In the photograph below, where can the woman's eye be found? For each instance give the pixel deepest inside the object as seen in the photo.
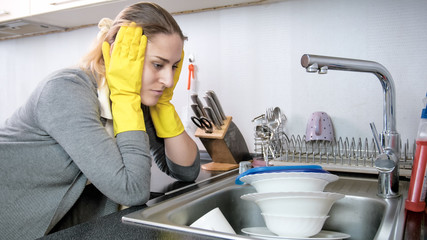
(157, 65)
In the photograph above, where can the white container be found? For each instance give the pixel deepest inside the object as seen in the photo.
(299, 204)
(214, 220)
(296, 227)
(289, 181)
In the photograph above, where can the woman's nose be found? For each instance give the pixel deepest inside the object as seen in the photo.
(167, 78)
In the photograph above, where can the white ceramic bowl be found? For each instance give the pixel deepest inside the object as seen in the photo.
(298, 227)
(299, 204)
(289, 181)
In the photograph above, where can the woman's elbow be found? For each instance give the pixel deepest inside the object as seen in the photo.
(131, 192)
(189, 175)
(134, 198)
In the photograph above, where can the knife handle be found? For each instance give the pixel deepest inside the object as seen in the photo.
(197, 101)
(197, 111)
(212, 117)
(212, 105)
(215, 98)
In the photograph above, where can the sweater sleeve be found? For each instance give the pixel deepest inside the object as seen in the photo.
(68, 111)
(157, 148)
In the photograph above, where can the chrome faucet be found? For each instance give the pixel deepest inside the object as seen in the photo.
(387, 162)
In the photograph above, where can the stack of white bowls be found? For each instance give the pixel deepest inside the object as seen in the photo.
(292, 200)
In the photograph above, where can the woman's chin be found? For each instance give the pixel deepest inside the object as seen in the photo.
(149, 102)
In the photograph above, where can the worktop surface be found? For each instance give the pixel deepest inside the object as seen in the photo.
(111, 226)
(164, 187)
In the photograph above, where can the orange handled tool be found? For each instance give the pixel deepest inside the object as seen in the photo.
(190, 75)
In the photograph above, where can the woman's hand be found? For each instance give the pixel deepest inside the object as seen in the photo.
(180, 148)
(123, 71)
(165, 119)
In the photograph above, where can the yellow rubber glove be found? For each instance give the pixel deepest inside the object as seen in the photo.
(123, 71)
(165, 119)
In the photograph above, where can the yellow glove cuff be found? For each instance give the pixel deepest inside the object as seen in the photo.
(127, 114)
(166, 121)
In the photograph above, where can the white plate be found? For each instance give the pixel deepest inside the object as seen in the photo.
(296, 194)
(261, 176)
(264, 233)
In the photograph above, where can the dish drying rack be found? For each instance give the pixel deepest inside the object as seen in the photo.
(342, 154)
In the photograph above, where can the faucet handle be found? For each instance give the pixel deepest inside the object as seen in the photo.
(385, 162)
(377, 141)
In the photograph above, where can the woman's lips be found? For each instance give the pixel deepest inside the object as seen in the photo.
(158, 92)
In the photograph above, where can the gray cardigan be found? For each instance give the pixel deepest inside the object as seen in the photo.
(56, 141)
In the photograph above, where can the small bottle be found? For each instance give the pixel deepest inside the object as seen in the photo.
(418, 184)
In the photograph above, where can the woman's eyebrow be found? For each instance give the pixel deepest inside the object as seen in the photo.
(162, 59)
(166, 60)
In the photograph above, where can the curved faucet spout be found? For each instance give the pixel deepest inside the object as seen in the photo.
(355, 65)
(387, 162)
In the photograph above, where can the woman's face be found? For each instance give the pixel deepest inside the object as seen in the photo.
(162, 56)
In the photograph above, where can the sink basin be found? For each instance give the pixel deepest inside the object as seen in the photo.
(360, 213)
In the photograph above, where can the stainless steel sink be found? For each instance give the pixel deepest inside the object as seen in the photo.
(361, 213)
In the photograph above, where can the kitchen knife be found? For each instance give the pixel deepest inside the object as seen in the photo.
(197, 111)
(197, 101)
(212, 105)
(213, 95)
(212, 117)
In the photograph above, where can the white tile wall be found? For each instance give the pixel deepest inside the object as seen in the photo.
(251, 57)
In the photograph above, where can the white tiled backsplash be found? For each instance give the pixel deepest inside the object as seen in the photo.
(250, 57)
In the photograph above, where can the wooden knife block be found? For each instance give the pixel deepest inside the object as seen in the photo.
(216, 145)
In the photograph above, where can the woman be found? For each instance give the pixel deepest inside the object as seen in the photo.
(58, 142)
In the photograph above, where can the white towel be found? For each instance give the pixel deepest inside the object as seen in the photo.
(104, 101)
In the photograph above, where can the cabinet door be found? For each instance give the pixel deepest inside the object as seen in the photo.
(45, 6)
(10, 10)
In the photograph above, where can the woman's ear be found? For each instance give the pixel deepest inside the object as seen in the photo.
(111, 48)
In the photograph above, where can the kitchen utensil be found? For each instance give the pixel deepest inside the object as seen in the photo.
(295, 226)
(215, 98)
(197, 111)
(273, 119)
(203, 123)
(214, 220)
(265, 149)
(273, 123)
(263, 132)
(295, 204)
(211, 104)
(319, 127)
(278, 169)
(190, 71)
(197, 101)
(264, 233)
(212, 117)
(290, 181)
(278, 114)
(244, 166)
(259, 118)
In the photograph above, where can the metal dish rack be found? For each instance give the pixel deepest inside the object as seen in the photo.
(343, 154)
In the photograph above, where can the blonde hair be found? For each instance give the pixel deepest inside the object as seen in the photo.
(151, 17)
